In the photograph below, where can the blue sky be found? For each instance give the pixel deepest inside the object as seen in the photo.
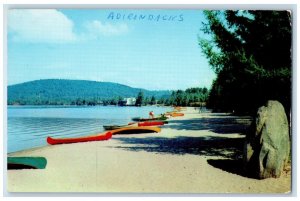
(151, 49)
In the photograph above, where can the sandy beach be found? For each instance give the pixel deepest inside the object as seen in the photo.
(196, 153)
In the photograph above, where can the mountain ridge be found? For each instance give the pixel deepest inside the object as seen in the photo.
(65, 91)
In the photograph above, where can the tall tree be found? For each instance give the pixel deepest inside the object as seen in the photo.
(139, 99)
(250, 51)
(153, 100)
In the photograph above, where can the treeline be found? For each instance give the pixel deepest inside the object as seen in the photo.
(64, 101)
(84, 101)
(250, 51)
(189, 97)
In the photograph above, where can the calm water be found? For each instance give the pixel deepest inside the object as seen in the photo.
(28, 127)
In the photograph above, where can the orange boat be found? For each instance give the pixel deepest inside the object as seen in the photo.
(99, 137)
(174, 114)
(177, 114)
(136, 130)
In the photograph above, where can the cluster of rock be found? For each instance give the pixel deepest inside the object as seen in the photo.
(267, 147)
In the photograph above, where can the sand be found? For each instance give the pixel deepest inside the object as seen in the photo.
(197, 153)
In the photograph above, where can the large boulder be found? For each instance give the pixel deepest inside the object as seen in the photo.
(268, 144)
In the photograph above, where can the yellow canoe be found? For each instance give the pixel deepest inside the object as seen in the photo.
(136, 130)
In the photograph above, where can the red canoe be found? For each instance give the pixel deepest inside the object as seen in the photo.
(105, 136)
(151, 123)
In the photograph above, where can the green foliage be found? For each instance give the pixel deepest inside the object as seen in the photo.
(153, 100)
(189, 97)
(73, 92)
(250, 51)
(139, 99)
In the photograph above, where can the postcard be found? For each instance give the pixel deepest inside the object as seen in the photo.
(149, 100)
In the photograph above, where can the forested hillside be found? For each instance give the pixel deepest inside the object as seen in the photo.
(74, 92)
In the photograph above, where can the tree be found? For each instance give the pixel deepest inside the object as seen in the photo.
(146, 100)
(139, 99)
(114, 101)
(162, 100)
(178, 98)
(250, 51)
(153, 100)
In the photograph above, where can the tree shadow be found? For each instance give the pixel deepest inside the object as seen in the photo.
(229, 148)
(205, 146)
(217, 124)
(224, 146)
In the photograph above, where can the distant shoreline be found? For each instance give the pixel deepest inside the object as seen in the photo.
(87, 106)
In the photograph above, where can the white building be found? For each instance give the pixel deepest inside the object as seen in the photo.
(129, 101)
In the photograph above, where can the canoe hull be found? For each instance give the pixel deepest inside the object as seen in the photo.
(16, 163)
(145, 123)
(177, 114)
(151, 123)
(136, 130)
(174, 114)
(147, 119)
(112, 127)
(101, 137)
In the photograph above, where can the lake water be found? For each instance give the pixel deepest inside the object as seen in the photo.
(29, 126)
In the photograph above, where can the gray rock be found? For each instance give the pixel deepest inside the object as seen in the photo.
(268, 144)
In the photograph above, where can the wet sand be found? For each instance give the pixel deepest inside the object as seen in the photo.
(196, 153)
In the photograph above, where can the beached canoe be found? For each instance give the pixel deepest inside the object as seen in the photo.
(177, 114)
(16, 163)
(136, 130)
(136, 123)
(99, 137)
(149, 119)
(113, 127)
(151, 123)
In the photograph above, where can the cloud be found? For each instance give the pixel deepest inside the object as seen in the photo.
(40, 25)
(96, 28)
(52, 26)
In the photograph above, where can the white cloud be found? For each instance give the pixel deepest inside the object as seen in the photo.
(40, 25)
(52, 26)
(96, 28)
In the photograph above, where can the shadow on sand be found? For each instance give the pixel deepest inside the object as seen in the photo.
(210, 146)
(204, 146)
(217, 124)
(232, 166)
